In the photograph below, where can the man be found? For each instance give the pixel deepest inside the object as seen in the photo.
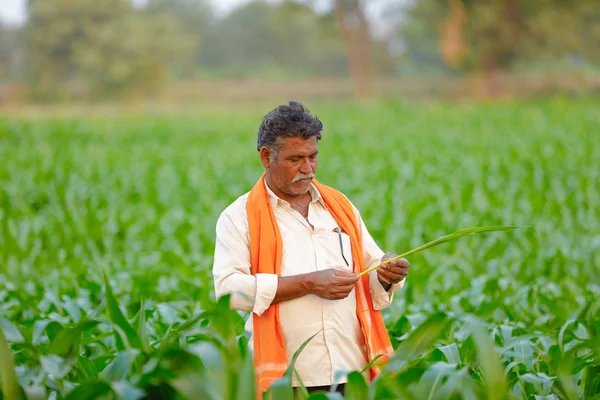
(290, 250)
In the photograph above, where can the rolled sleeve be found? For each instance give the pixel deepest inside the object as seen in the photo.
(232, 271)
(381, 297)
(266, 288)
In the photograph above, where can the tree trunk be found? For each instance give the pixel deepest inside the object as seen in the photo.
(453, 44)
(355, 30)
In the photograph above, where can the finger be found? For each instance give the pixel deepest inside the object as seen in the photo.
(345, 287)
(343, 291)
(397, 271)
(396, 266)
(401, 263)
(346, 280)
(391, 277)
(341, 272)
(386, 272)
(397, 278)
(387, 261)
(341, 294)
(384, 279)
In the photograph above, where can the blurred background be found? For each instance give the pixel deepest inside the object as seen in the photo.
(174, 52)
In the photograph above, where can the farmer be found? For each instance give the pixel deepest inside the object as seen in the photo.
(289, 251)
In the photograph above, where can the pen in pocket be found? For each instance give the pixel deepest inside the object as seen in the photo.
(339, 231)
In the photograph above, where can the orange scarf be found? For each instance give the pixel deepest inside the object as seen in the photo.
(270, 359)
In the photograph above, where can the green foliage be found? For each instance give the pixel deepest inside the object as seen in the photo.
(194, 17)
(107, 238)
(11, 53)
(290, 37)
(581, 41)
(93, 49)
(89, 50)
(498, 33)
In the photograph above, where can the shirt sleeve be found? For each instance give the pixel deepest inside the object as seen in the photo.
(231, 269)
(373, 255)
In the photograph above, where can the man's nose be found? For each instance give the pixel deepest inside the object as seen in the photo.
(306, 167)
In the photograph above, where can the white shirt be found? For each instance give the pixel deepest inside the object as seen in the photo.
(308, 246)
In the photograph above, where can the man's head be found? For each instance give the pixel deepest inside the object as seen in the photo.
(287, 142)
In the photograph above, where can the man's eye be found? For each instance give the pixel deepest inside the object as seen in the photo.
(295, 159)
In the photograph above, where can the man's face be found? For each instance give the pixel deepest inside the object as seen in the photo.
(294, 167)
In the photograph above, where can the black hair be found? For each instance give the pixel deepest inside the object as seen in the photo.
(287, 121)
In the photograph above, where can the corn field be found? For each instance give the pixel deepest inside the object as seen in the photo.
(107, 231)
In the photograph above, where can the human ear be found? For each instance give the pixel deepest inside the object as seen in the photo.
(265, 156)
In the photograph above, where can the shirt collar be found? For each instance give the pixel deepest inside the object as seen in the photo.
(312, 189)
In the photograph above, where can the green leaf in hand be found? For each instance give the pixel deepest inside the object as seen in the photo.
(444, 239)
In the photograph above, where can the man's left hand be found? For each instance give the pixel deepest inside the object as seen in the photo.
(392, 272)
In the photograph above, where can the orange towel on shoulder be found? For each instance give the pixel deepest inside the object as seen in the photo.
(270, 360)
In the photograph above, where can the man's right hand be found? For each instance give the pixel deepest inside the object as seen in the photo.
(333, 284)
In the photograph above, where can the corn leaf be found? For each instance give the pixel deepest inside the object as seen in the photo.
(491, 367)
(117, 317)
(444, 239)
(9, 385)
(142, 333)
(418, 341)
(91, 390)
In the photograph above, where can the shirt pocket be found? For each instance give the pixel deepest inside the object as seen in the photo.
(340, 255)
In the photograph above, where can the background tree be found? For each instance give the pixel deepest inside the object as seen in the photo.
(496, 31)
(489, 37)
(453, 45)
(274, 40)
(355, 29)
(97, 48)
(12, 63)
(194, 18)
(418, 32)
(559, 29)
(11, 52)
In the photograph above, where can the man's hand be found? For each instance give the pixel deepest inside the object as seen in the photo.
(392, 272)
(332, 284)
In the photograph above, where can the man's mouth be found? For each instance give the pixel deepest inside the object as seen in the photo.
(303, 179)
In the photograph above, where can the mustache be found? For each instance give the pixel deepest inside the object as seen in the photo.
(303, 176)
